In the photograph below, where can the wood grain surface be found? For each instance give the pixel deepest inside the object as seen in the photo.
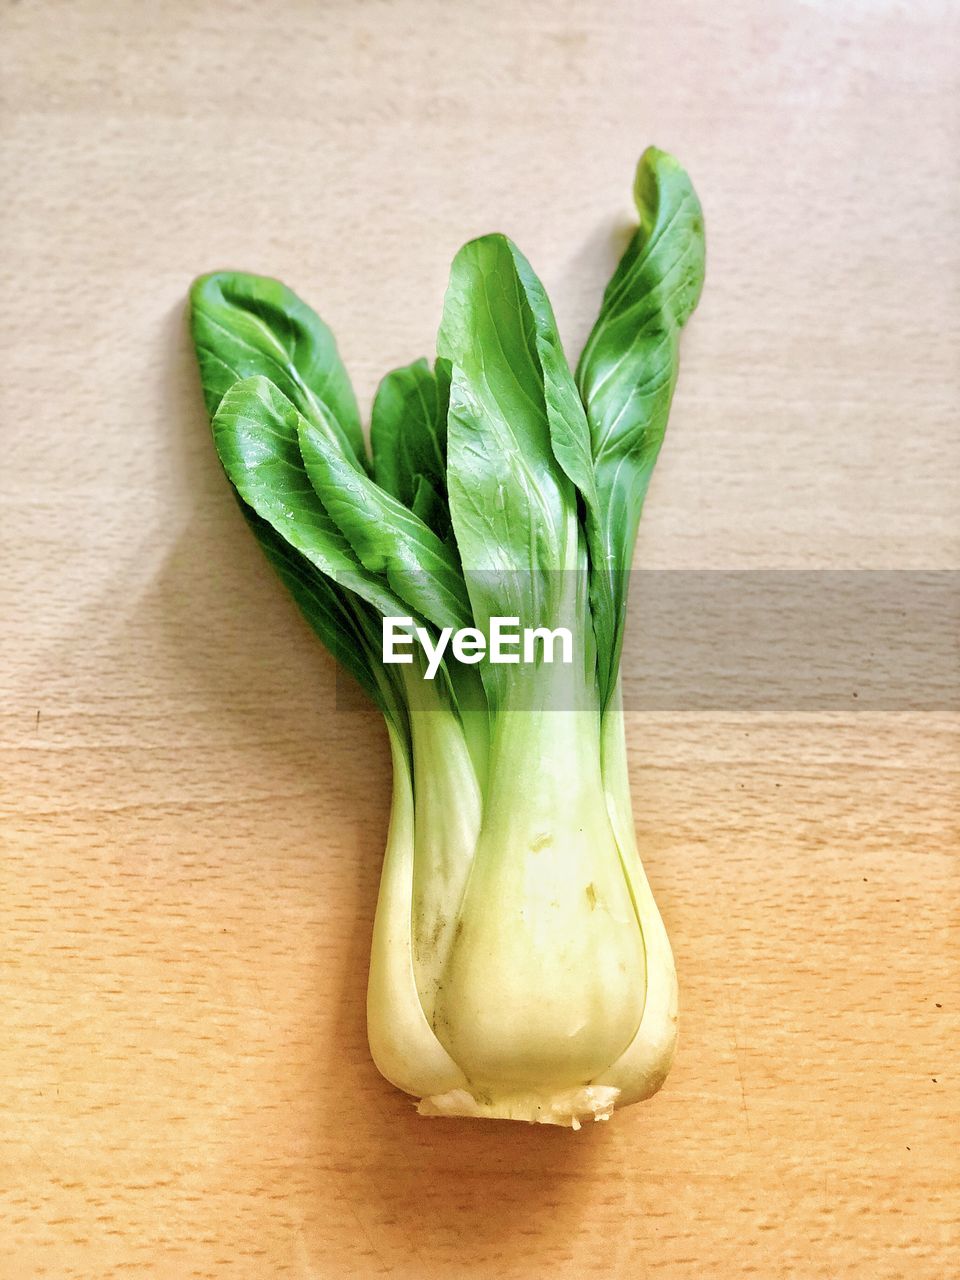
(192, 826)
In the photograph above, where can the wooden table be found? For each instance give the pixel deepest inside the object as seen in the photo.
(191, 827)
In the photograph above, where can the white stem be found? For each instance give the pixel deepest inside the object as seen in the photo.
(642, 1068)
(402, 1043)
(545, 979)
(447, 804)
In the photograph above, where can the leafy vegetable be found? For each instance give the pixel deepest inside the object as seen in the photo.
(519, 965)
(627, 374)
(244, 326)
(408, 434)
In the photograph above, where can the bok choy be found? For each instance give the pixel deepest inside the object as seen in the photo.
(519, 965)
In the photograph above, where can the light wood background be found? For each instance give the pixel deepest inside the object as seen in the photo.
(192, 830)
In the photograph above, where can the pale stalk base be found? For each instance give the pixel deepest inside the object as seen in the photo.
(567, 1107)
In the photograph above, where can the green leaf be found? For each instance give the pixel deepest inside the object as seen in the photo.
(408, 435)
(569, 432)
(571, 443)
(513, 507)
(245, 325)
(428, 506)
(255, 431)
(626, 377)
(386, 536)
